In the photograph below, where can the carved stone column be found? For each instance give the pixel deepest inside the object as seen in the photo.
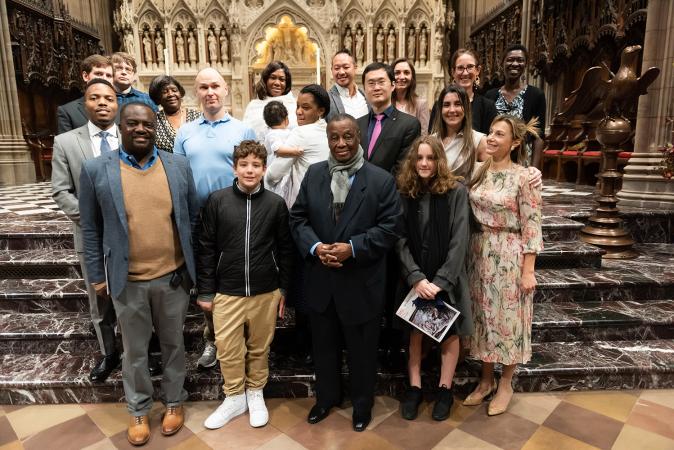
(16, 165)
(641, 185)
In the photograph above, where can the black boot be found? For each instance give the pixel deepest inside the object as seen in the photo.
(443, 403)
(409, 407)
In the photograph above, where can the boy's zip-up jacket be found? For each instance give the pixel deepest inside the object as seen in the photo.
(244, 244)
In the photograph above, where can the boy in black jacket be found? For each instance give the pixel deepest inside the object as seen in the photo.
(244, 260)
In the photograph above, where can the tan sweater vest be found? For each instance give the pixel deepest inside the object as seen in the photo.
(154, 244)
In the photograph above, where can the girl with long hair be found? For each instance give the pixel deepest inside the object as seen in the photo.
(432, 255)
(405, 97)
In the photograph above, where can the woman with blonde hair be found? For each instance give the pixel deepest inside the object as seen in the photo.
(432, 253)
(501, 260)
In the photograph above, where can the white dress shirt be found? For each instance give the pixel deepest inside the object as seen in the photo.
(355, 106)
(113, 140)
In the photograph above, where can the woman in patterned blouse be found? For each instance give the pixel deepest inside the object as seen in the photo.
(521, 100)
(167, 92)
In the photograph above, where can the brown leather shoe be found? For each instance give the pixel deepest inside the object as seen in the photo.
(173, 420)
(139, 430)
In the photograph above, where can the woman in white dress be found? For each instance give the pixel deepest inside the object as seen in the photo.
(275, 84)
(285, 174)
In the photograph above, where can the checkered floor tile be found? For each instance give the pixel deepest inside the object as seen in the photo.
(28, 200)
(617, 420)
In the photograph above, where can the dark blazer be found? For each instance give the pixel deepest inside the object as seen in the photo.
(71, 116)
(397, 134)
(103, 216)
(371, 220)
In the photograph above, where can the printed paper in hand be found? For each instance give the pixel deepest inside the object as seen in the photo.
(430, 320)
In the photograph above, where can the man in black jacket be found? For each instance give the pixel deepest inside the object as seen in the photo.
(243, 271)
(345, 220)
(72, 115)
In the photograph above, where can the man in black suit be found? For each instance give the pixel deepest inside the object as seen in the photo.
(386, 132)
(345, 220)
(72, 115)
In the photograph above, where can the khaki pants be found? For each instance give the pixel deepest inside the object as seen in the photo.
(244, 329)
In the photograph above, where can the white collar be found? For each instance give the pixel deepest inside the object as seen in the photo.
(344, 92)
(94, 130)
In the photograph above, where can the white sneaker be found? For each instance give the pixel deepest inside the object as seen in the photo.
(208, 358)
(234, 405)
(257, 410)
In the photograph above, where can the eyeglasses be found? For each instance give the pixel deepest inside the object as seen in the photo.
(469, 68)
(381, 83)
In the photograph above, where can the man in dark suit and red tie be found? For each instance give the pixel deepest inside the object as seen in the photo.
(386, 132)
(346, 218)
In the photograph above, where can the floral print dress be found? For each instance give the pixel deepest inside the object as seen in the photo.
(509, 211)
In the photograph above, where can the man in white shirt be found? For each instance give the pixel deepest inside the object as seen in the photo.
(71, 149)
(345, 97)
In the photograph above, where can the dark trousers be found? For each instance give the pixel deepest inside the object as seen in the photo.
(141, 305)
(361, 344)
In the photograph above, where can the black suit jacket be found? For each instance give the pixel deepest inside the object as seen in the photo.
(371, 219)
(71, 116)
(397, 134)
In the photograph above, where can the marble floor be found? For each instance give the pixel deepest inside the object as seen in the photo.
(629, 420)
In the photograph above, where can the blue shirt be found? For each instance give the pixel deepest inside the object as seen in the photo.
(209, 147)
(131, 161)
(134, 95)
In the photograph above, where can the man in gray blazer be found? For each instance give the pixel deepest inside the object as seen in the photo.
(138, 207)
(71, 149)
(345, 96)
(72, 115)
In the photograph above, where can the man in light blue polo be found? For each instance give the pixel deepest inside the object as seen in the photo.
(208, 143)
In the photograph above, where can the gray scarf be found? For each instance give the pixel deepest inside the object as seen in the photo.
(340, 173)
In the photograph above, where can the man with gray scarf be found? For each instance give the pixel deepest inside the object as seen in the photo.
(345, 220)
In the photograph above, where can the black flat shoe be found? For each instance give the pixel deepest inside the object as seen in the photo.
(154, 364)
(409, 407)
(317, 414)
(361, 419)
(443, 404)
(104, 368)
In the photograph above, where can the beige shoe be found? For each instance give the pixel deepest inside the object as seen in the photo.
(173, 420)
(500, 403)
(476, 397)
(139, 430)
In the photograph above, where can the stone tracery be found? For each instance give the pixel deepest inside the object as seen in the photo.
(230, 36)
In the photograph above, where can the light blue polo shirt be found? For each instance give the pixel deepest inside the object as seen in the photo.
(209, 147)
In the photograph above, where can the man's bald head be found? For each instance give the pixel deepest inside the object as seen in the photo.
(211, 90)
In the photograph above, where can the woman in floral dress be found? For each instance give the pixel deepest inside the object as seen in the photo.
(501, 261)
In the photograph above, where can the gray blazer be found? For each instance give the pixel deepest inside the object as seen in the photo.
(103, 216)
(71, 149)
(336, 105)
(71, 116)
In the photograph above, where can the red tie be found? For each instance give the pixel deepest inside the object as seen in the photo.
(375, 134)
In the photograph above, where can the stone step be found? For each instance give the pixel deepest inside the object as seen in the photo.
(71, 332)
(39, 263)
(569, 255)
(63, 378)
(43, 295)
(603, 321)
(558, 228)
(23, 234)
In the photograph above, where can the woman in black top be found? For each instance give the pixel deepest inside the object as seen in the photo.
(432, 253)
(465, 68)
(519, 99)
